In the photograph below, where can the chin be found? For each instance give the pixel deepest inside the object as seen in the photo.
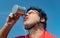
(28, 27)
(28, 24)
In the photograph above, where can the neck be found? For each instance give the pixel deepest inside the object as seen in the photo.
(36, 31)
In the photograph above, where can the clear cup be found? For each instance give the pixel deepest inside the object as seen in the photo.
(18, 9)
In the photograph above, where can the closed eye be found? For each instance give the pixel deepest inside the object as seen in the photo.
(29, 12)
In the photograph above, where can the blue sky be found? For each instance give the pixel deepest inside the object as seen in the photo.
(51, 7)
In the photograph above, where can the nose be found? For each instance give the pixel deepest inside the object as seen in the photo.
(26, 14)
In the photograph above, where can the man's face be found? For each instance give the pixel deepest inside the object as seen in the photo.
(31, 18)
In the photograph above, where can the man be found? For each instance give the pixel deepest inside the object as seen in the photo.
(34, 21)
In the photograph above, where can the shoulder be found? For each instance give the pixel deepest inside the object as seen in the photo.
(49, 35)
(24, 36)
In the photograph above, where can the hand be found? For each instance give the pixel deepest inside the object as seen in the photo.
(11, 20)
(14, 17)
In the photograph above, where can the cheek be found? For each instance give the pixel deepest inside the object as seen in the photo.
(34, 17)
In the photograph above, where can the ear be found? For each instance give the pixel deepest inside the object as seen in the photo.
(42, 20)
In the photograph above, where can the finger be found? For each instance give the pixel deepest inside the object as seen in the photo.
(15, 16)
(11, 15)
